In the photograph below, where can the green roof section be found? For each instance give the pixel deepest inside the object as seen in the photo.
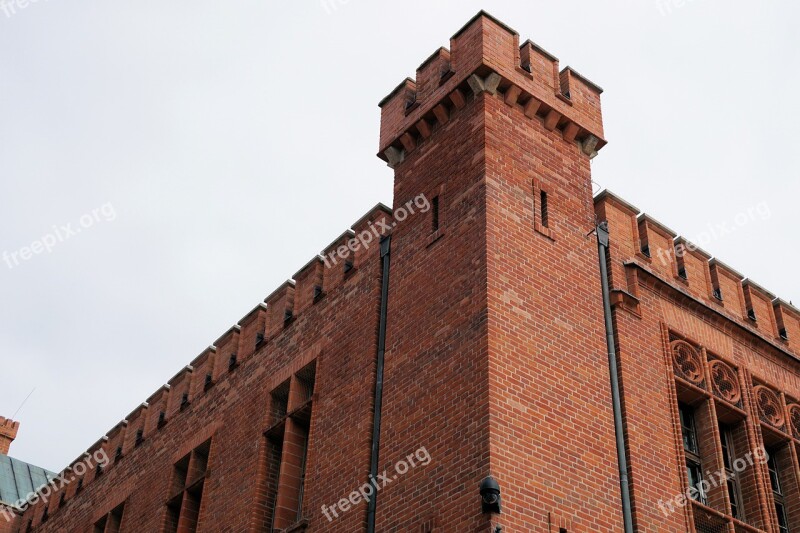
(18, 479)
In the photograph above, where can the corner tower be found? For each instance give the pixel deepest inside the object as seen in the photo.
(8, 432)
(496, 357)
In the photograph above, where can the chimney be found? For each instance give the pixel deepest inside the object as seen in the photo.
(8, 432)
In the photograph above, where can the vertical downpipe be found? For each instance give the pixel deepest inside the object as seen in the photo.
(376, 419)
(613, 366)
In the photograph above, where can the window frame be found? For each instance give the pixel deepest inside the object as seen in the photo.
(694, 463)
(733, 481)
(776, 486)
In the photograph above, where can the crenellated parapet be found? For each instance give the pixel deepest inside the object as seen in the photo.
(8, 428)
(203, 375)
(486, 56)
(179, 391)
(137, 420)
(157, 416)
(116, 441)
(227, 354)
(638, 239)
(321, 276)
(280, 308)
(8, 432)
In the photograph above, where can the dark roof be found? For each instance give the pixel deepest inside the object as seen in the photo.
(18, 479)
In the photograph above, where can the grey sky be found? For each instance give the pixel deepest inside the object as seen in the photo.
(234, 140)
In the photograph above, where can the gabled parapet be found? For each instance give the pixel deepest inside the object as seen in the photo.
(726, 287)
(134, 436)
(758, 307)
(485, 56)
(339, 259)
(98, 445)
(116, 441)
(253, 332)
(203, 375)
(157, 416)
(687, 249)
(179, 397)
(788, 320)
(657, 245)
(621, 219)
(280, 308)
(309, 287)
(227, 352)
(369, 230)
(80, 471)
(638, 238)
(94, 468)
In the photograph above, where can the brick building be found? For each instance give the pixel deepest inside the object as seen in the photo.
(18, 479)
(474, 340)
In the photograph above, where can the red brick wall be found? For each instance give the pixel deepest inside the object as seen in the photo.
(652, 306)
(552, 426)
(437, 386)
(496, 360)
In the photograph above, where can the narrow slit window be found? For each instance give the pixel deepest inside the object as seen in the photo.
(781, 323)
(716, 290)
(748, 302)
(680, 262)
(435, 213)
(544, 209)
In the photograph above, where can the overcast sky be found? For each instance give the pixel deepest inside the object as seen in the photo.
(207, 150)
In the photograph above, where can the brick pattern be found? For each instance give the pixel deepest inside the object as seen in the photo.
(666, 305)
(496, 359)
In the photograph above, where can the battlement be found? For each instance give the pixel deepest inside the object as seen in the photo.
(250, 335)
(8, 432)
(8, 427)
(486, 56)
(639, 240)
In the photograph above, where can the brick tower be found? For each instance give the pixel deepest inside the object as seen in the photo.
(496, 357)
(8, 432)
(457, 343)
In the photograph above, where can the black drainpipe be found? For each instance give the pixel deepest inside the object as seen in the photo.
(602, 246)
(376, 420)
